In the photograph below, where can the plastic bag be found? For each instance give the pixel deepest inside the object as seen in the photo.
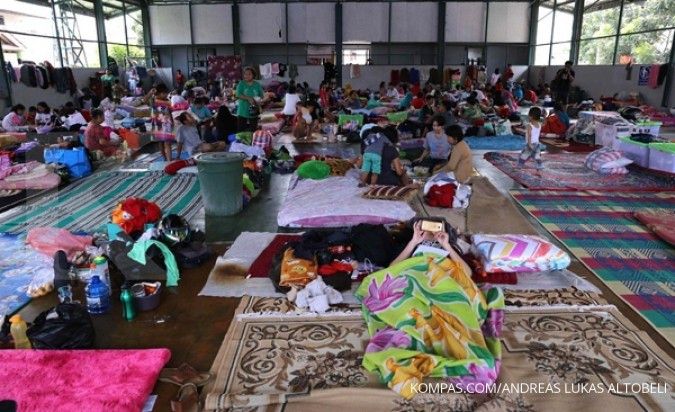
(42, 283)
(49, 240)
(66, 326)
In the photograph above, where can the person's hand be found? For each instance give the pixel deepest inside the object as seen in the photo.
(443, 239)
(418, 233)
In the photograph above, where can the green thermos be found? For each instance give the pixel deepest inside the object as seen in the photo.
(128, 311)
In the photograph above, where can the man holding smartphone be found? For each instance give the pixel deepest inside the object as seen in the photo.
(563, 82)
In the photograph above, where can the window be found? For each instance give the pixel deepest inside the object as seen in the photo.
(355, 56)
(554, 32)
(600, 20)
(645, 48)
(596, 51)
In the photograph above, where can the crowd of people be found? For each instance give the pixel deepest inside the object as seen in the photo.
(186, 115)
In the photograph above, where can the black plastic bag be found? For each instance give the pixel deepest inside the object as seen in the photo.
(66, 326)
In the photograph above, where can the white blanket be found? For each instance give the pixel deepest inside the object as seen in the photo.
(336, 202)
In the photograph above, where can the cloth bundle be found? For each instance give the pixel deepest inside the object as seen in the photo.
(443, 190)
(428, 319)
(518, 253)
(608, 161)
(316, 296)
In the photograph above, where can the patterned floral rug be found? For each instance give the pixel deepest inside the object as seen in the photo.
(566, 171)
(600, 230)
(575, 359)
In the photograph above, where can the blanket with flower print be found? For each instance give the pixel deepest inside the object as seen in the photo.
(427, 318)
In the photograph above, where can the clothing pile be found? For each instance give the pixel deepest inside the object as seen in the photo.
(323, 262)
(443, 190)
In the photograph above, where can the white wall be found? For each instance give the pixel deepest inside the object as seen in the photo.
(414, 22)
(464, 22)
(212, 23)
(365, 22)
(170, 24)
(311, 23)
(508, 22)
(603, 80)
(262, 23)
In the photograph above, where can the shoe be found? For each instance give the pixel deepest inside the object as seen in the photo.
(61, 270)
(187, 399)
(184, 374)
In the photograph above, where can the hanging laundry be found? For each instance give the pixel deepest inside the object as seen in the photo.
(28, 76)
(266, 71)
(292, 71)
(405, 75)
(414, 76)
(282, 69)
(394, 77)
(354, 71)
(275, 69)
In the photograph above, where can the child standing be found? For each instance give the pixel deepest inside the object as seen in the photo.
(533, 148)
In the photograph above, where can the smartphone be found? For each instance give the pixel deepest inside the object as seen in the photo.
(432, 226)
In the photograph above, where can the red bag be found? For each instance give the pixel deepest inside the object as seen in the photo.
(554, 125)
(441, 195)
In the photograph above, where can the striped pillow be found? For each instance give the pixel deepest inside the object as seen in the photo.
(390, 192)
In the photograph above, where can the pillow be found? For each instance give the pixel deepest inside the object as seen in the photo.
(607, 161)
(663, 224)
(518, 253)
(314, 169)
(385, 192)
(397, 117)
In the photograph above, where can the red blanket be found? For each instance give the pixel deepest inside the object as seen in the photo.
(262, 265)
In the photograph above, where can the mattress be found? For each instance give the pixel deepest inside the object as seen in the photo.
(336, 202)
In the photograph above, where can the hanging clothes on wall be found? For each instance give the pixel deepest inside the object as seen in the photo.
(395, 77)
(11, 73)
(28, 75)
(405, 75)
(329, 72)
(266, 71)
(354, 71)
(45, 81)
(50, 70)
(292, 71)
(275, 69)
(434, 76)
(282, 69)
(414, 76)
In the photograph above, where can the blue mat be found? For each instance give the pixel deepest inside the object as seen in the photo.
(18, 265)
(510, 142)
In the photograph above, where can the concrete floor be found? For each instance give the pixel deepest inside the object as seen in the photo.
(193, 327)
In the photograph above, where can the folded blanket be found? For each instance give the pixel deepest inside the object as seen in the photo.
(518, 253)
(662, 225)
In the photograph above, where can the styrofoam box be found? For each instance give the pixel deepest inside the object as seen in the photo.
(661, 160)
(635, 151)
(605, 134)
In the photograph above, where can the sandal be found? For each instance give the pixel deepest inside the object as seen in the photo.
(184, 374)
(187, 399)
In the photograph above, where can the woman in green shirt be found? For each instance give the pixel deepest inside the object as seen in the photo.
(248, 108)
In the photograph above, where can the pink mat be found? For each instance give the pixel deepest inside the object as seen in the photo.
(80, 380)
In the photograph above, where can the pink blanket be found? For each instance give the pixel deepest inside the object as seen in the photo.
(80, 380)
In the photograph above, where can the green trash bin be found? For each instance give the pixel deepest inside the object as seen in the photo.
(221, 178)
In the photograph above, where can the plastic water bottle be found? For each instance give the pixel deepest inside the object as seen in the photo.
(18, 331)
(98, 299)
(100, 268)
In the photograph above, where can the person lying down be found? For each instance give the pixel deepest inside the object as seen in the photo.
(427, 319)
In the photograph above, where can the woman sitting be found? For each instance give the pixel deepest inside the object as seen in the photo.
(187, 137)
(15, 120)
(225, 124)
(95, 136)
(461, 160)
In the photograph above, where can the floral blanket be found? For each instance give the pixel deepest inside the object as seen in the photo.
(427, 318)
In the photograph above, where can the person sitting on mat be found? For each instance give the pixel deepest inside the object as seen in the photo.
(436, 146)
(461, 160)
(187, 137)
(95, 137)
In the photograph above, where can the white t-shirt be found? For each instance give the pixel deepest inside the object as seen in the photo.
(11, 122)
(534, 134)
(290, 101)
(393, 93)
(73, 119)
(188, 136)
(177, 99)
(42, 119)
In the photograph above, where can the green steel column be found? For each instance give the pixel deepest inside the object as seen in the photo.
(440, 38)
(665, 101)
(534, 18)
(147, 37)
(236, 34)
(338, 42)
(576, 30)
(100, 33)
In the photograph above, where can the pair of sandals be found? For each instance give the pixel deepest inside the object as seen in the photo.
(189, 380)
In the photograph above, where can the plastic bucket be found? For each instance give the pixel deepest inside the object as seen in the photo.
(221, 178)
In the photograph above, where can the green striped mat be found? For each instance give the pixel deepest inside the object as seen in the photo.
(86, 205)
